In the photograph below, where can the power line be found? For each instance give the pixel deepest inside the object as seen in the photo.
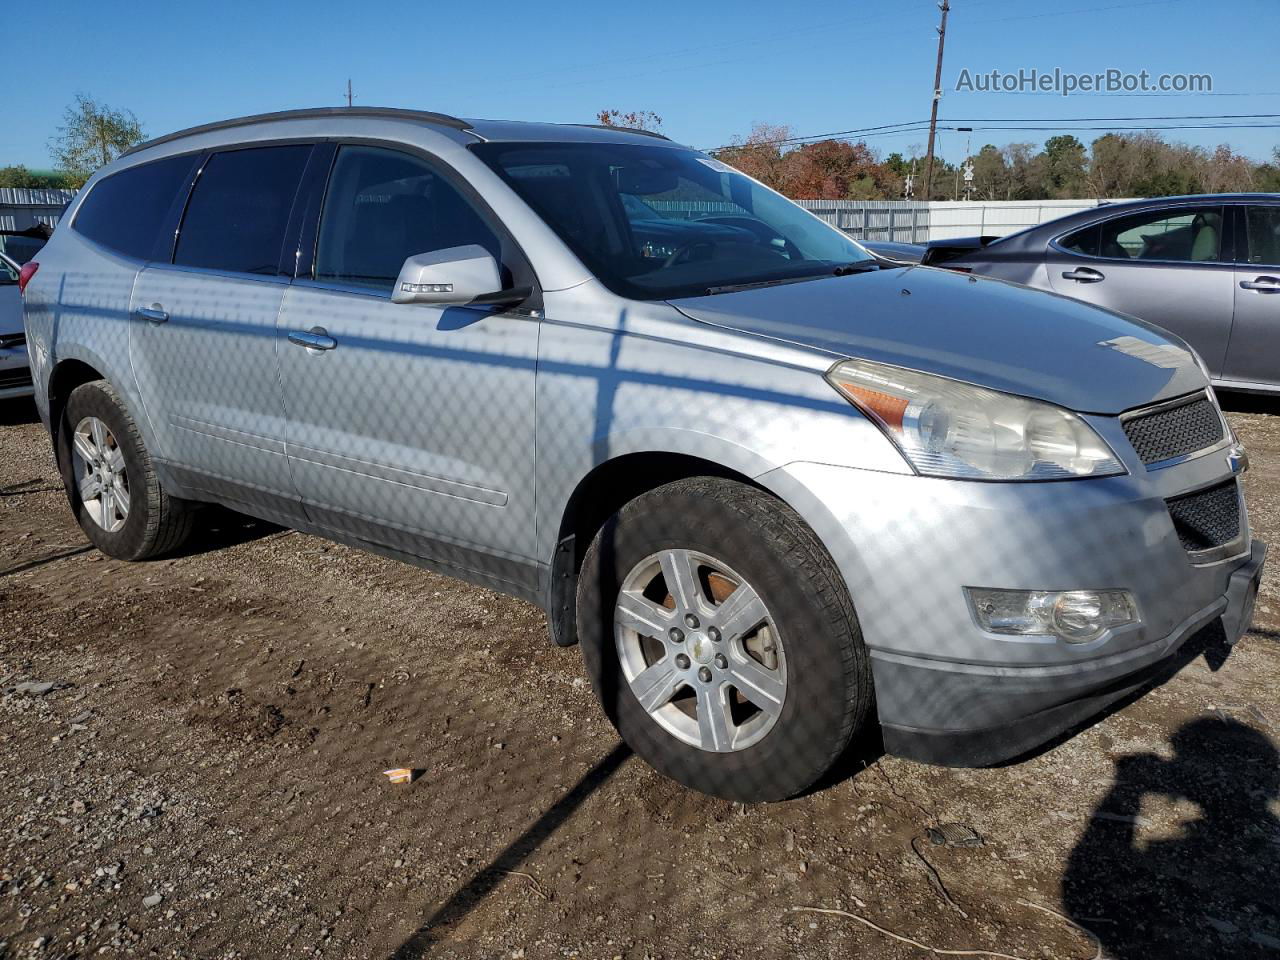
(1035, 123)
(806, 33)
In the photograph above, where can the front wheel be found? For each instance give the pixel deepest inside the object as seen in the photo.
(721, 640)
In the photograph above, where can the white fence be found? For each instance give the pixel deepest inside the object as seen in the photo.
(914, 221)
(21, 208)
(904, 221)
(997, 219)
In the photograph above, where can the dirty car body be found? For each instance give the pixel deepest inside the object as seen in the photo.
(1017, 530)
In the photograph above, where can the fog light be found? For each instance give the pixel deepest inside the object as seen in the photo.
(1077, 616)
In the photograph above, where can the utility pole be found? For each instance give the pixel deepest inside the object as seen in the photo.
(351, 96)
(945, 7)
(968, 162)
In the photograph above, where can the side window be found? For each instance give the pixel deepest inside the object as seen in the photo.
(125, 212)
(383, 207)
(1190, 234)
(1262, 226)
(239, 210)
(1083, 242)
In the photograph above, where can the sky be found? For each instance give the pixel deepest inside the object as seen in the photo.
(710, 69)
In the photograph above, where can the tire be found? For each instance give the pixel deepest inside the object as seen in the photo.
(812, 651)
(150, 522)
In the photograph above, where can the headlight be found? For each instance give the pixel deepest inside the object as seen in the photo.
(1077, 616)
(946, 428)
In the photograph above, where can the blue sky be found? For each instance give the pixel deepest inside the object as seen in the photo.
(710, 69)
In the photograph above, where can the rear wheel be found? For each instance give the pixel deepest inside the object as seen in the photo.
(722, 641)
(111, 483)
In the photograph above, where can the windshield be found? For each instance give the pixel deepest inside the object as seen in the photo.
(655, 223)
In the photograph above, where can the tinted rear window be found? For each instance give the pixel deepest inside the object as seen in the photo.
(125, 211)
(239, 210)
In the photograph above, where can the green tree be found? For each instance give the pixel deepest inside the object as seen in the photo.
(20, 176)
(991, 174)
(92, 136)
(1266, 176)
(1064, 167)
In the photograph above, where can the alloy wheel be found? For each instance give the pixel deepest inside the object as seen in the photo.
(700, 650)
(100, 474)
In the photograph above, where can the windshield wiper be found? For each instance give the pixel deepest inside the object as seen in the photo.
(857, 266)
(735, 287)
(840, 270)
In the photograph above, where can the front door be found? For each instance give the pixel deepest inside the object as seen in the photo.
(411, 425)
(1254, 354)
(1168, 266)
(202, 330)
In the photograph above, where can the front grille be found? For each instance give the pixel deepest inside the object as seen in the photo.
(15, 378)
(1167, 432)
(1207, 518)
(10, 340)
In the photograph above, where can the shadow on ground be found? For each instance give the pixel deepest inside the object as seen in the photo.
(517, 852)
(1249, 403)
(14, 412)
(1148, 891)
(218, 528)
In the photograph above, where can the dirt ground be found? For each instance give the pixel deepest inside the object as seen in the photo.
(204, 780)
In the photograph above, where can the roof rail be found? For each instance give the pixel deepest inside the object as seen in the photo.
(610, 126)
(423, 116)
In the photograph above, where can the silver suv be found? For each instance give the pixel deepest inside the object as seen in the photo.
(778, 488)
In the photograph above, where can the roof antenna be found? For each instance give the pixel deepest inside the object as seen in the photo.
(350, 96)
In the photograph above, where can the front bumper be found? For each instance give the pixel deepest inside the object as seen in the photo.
(976, 716)
(949, 692)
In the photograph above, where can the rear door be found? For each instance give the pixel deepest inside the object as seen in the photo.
(414, 427)
(1254, 353)
(202, 331)
(1171, 266)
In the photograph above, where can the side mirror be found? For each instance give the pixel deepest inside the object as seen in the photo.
(457, 275)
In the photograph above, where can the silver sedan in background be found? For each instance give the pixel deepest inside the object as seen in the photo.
(1206, 268)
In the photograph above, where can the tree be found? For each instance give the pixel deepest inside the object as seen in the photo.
(1026, 181)
(831, 170)
(991, 174)
(1227, 172)
(20, 176)
(760, 154)
(634, 119)
(1064, 167)
(92, 136)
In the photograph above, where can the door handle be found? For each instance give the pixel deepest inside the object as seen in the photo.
(1084, 275)
(1262, 284)
(317, 338)
(154, 313)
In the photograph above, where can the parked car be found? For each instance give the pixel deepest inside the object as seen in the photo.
(897, 252)
(1205, 267)
(15, 370)
(777, 490)
(21, 246)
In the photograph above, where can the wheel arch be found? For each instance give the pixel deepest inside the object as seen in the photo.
(67, 374)
(601, 493)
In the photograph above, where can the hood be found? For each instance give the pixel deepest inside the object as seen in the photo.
(984, 331)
